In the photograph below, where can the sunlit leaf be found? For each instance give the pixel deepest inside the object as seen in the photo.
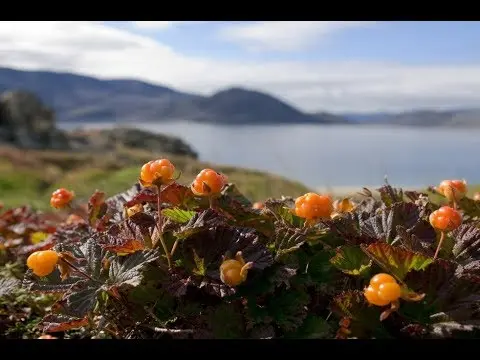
(178, 215)
(200, 221)
(467, 243)
(128, 271)
(351, 260)
(60, 323)
(395, 260)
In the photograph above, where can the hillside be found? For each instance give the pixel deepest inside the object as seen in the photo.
(81, 98)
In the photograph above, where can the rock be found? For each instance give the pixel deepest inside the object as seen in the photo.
(26, 123)
(110, 139)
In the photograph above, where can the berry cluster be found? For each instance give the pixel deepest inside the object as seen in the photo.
(208, 183)
(61, 198)
(312, 206)
(382, 290)
(157, 172)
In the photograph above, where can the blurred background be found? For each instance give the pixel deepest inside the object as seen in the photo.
(280, 107)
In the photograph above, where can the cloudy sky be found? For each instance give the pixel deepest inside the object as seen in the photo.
(316, 66)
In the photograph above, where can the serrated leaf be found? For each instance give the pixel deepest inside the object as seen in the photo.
(319, 267)
(97, 207)
(314, 327)
(60, 323)
(351, 260)
(119, 201)
(390, 195)
(456, 330)
(53, 284)
(128, 270)
(130, 235)
(93, 254)
(8, 286)
(231, 190)
(288, 309)
(396, 261)
(286, 239)
(80, 299)
(178, 215)
(72, 234)
(283, 210)
(226, 322)
(199, 222)
(467, 243)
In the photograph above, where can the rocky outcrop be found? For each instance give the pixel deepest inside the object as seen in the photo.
(110, 139)
(27, 123)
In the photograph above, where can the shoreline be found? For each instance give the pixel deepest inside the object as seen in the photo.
(354, 190)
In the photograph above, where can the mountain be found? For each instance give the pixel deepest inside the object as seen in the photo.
(422, 118)
(87, 99)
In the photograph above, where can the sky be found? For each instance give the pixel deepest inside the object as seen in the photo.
(340, 67)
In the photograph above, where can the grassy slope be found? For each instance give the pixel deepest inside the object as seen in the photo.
(29, 177)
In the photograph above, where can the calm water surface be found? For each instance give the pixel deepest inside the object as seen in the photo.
(333, 155)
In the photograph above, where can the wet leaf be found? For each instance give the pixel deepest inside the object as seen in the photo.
(351, 260)
(178, 215)
(395, 260)
(60, 323)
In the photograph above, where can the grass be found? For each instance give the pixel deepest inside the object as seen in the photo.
(30, 176)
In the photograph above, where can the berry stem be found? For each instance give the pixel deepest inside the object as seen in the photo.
(174, 247)
(78, 270)
(440, 242)
(159, 226)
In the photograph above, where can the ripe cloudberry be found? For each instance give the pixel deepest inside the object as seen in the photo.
(233, 272)
(453, 190)
(343, 206)
(445, 219)
(61, 198)
(42, 263)
(313, 206)
(154, 171)
(208, 182)
(258, 205)
(382, 290)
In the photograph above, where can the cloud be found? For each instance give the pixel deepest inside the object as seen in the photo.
(153, 24)
(95, 49)
(285, 35)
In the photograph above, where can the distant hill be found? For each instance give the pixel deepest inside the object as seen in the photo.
(88, 99)
(424, 118)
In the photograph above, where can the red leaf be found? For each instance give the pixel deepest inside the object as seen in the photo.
(60, 323)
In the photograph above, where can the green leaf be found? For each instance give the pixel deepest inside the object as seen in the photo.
(319, 267)
(288, 308)
(231, 190)
(200, 264)
(314, 327)
(226, 322)
(128, 270)
(282, 210)
(395, 260)
(351, 260)
(200, 221)
(178, 215)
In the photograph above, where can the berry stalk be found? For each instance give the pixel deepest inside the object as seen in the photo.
(159, 225)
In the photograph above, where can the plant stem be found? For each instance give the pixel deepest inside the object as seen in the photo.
(174, 247)
(79, 271)
(440, 242)
(159, 226)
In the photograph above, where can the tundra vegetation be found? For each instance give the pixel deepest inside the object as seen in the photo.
(163, 259)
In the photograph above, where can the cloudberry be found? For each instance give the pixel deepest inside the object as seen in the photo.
(453, 190)
(61, 198)
(476, 196)
(160, 170)
(47, 337)
(445, 219)
(134, 209)
(42, 263)
(343, 206)
(313, 206)
(382, 290)
(233, 272)
(258, 205)
(208, 182)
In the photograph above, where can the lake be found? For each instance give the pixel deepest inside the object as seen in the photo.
(322, 156)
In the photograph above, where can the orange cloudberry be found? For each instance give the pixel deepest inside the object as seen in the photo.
(160, 170)
(233, 272)
(258, 205)
(445, 219)
(382, 290)
(453, 190)
(61, 198)
(42, 263)
(313, 206)
(208, 182)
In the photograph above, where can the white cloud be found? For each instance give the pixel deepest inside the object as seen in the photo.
(153, 24)
(285, 35)
(95, 49)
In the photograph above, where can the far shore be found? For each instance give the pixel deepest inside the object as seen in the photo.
(346, 191)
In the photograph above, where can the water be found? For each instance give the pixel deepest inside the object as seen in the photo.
(333, 155)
